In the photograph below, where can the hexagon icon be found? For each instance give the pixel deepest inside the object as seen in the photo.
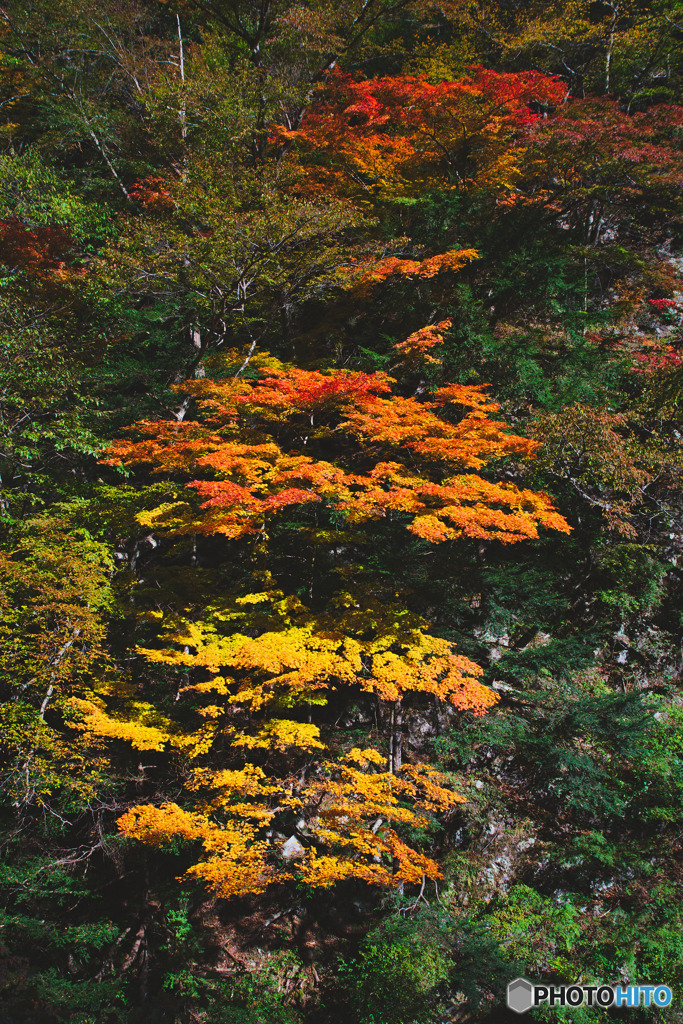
(520, 995)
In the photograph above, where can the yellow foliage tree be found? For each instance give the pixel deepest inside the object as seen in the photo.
(259, 665)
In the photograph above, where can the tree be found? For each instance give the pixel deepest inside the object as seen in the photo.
(341, 451)
(55, 586)
(618, 47)
(397, 136)
(607, 168)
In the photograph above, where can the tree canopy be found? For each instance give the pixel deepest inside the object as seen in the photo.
(340, 527)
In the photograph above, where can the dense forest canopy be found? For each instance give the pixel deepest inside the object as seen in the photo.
(341, 607)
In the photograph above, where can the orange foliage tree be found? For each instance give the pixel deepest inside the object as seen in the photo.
(337, 452)
(395, 135)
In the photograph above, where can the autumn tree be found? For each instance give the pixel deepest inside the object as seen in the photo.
(52, 621)
(391, 136)
(609, 168)
(617, 47)
(341, 450)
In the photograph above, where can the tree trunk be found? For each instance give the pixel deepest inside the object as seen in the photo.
(396, 737)
(396, 759)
